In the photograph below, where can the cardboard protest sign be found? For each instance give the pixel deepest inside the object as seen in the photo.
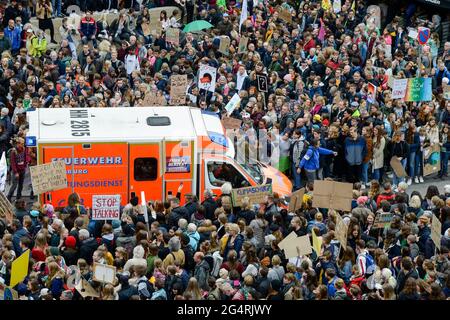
(106, 207)
(243, 42)
(262, 83)
(296, 200)
(399, 88)
(224, 46)
(231, 123)
(19, 268)
(86, 290)
(294, 246)
(383, 219)
(419, 89)
(6, 208)
(317, 242)
(412, 33)
(207, 78)
(178, 85)
(104, 273)
(341, 231)
(332, 194)
(49, 176)
(256, 194)
(398, 167)
(431, 159)
(173, 36)
(371, 93)
(436, 228)
(232, 104)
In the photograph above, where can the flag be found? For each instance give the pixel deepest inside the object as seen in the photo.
(321, 35)
(326, 5)
(353, 6)
(3, 172)
(244, 14)
(317, 242)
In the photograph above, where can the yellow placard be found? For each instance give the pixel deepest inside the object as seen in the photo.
(19, 268)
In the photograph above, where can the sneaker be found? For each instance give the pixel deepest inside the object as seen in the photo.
(421, 179)
(409, 181)
(416, 180)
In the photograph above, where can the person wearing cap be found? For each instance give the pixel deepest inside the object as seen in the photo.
(225, 26)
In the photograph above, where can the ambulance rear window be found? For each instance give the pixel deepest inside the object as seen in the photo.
(145, 169)
(158, 121)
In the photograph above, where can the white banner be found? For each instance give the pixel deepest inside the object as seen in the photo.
(106, 207)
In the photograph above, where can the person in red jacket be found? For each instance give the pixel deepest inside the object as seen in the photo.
(19, 159)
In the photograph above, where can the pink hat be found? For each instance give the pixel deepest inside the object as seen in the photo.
(362, 199)
(287, 77)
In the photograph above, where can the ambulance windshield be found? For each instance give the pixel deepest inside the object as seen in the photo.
(255, 171)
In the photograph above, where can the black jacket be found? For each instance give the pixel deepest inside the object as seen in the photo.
(177, 214)
(210, 207)
(70, 256)
(402, 277)
(87, 249)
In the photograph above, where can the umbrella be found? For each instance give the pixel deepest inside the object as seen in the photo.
(197, 25)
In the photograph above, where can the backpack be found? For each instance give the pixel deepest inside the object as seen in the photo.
(370, 264)
(145, 291)
(189, 263)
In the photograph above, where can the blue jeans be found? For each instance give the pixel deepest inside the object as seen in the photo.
(376, 175)
(396, 179)
(444, 161)
(419, 163)
(297, 177)
(413, 170)
(365, 172)
(311, 175)
(57, 8)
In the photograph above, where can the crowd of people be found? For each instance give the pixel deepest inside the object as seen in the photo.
(315, 121)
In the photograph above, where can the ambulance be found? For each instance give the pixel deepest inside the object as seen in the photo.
(124, 151)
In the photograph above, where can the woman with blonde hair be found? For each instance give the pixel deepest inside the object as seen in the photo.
(108, 293)
(193, 290)
(55, 280)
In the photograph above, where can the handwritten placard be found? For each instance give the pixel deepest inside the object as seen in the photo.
(243, 42)
(173, 36)
(255, 194)
(6, 208)
(106, 207)
(178, 85)
(224, 46)
(49, 176)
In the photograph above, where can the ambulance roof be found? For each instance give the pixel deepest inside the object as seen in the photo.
(121, 124)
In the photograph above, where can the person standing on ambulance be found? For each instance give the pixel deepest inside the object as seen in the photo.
(19, 159)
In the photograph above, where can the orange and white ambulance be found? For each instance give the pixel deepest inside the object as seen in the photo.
(153, 149)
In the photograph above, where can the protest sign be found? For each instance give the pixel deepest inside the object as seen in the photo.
(423, 34)
(104, 273)
(398, 168)
(337, 6)
(382, 220)
(207, 78)
(412, 33)
(19, 268)
(317, 242)
(399, 88)
(243, 42)
(153, 99)
(431, 159)
(341, 231)
(233, 104)
(371, 93)
(106, 207)
(49, 176)
(231, 123)
(294, 246)
(6, 208)
(3, 172)
(332, 194)
(418, 89)
(436, 228)
(296, 200)
(224, 46)
(86, 290)
(256, 194)
(178, 85)
(173, 36)
(262, 83)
